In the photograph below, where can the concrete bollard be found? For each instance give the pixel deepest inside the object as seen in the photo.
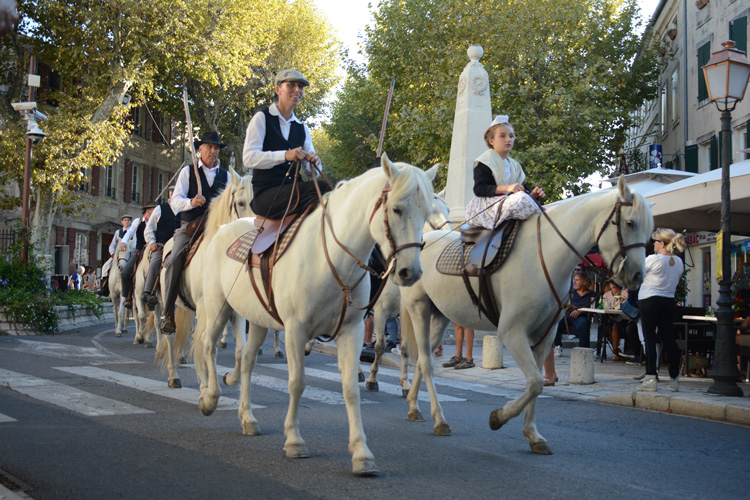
(492, 352)
(581, 365)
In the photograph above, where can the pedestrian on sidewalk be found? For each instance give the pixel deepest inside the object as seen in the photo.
(458, 362)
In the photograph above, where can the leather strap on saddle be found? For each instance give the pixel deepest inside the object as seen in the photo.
(268, 229)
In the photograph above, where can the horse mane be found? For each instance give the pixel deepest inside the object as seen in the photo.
(408, 181)
(220, 210)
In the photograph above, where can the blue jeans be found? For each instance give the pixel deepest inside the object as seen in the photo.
(580, 327)
(391, 329)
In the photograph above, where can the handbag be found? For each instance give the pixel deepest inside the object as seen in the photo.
(629, 310)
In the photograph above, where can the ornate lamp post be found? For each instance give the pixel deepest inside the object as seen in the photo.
(726, 73)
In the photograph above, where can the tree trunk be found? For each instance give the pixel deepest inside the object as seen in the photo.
(41, 218)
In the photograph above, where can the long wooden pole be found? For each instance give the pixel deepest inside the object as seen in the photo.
(190, 138)
(385, 117)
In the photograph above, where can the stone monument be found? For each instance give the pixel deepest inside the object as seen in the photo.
(473, 116)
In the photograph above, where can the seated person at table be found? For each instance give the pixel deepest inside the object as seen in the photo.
(577, 322)
(613, 299)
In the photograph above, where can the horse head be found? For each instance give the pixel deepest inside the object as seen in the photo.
(439, 217)
(121, 257)
(233, 203)
(404, 206)
(623, 236)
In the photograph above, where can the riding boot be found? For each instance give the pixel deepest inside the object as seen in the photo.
(126, 289)
(168, 325)
(104, 290)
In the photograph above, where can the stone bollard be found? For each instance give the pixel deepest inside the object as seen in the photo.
(492, 352)
(581, 365)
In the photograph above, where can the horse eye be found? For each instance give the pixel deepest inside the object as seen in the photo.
(397, 211)
(630, 223)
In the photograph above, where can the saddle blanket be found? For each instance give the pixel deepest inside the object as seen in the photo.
(453, 261)
(240, 249)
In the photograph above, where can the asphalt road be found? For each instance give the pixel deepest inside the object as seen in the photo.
(88, 416)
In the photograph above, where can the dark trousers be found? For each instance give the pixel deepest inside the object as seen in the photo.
(153, 271)
(126, 274)
(657, 314)
(580, 327)
(272, 202)
(174, 268)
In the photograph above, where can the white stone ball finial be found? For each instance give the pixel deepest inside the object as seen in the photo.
(475, 52)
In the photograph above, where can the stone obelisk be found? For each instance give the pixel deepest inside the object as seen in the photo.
(473, 116)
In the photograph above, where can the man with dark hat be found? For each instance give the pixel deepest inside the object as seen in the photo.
(138, 228)
(275, 140)
(161, 226)
(190, 205)
(126, 221)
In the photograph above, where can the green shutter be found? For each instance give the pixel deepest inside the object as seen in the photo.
(747, 139)
(714, 150)
(704, 54)
(691, 159)
(738, 33)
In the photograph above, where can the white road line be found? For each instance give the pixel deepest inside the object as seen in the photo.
(464, 386)
(64, 351)
(65, 396)
(384, 386)
(6, 418)
(277, 384)
(151, 386)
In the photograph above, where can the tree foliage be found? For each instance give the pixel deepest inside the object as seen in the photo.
(565, 71)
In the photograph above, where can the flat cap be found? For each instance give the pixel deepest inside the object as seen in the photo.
(291, 75)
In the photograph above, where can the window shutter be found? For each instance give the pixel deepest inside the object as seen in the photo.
(691, 159)
(714, 150)
(747, 139)
(149, 129)
(146, 179)
(92, 250)
(128, 188)
(95, 174)
(155, 136)
(738, 33)
(704, 53)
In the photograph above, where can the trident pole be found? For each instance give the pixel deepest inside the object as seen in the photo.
(385, 117)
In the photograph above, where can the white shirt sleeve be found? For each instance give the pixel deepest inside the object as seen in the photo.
(253, 155)
(150, 233)
(113, 244)
(180, 202)
(131, 230)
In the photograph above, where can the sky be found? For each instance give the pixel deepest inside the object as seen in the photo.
(349, 17)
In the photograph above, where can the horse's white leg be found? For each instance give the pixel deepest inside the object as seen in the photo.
(517, 344)
(425, 346)
(537, 442)
(115, 307)
(349, 347)
(294, 446)
(256, 335)
(209, 398)
(278, 353)
(403, 377)
(378, 320)
(223, 342)
(238, 331)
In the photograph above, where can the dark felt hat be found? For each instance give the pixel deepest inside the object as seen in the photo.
(150, 204)
(209, 138)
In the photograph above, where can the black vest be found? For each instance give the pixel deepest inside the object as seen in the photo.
(209, 192)
(274, 141)
(122, 232)
(167, 225)
(140, 237)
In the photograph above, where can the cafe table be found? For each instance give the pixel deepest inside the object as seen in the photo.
(606, 315)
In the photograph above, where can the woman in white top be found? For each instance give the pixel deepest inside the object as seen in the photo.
(657, 306)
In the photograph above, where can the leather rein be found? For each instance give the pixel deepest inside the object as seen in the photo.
(617, 222)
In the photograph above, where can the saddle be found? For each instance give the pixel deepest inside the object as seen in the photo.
(268, 230)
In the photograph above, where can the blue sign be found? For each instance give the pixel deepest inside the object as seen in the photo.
(654, 156)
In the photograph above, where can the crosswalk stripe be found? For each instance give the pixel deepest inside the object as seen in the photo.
(465, 386)
(6, 418)
(276, 384)
(64, 351)
(384, 386)
(65, 396)
(151, 386)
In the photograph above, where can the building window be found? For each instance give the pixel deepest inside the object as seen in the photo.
(663, 113)
(674, 99)
(738, 33)
(135, 196)
(85, 182)
(109, 183)
(704, 53)
(137, 126)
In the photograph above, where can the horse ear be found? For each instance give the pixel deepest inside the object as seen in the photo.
(624, 190)
(391, 170)
(235, 176)
(432, 173)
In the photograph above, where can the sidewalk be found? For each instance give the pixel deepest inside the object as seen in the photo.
(613, 384)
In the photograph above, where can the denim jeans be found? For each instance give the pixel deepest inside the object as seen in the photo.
(580, 327)
(391, 329)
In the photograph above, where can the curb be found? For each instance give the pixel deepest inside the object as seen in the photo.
(721, 410)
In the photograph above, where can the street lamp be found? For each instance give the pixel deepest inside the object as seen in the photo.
(726, 75)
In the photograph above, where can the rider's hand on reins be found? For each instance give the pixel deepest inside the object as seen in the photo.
(198, 201)
(537, 193)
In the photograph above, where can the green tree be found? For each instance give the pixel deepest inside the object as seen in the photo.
(565, 72)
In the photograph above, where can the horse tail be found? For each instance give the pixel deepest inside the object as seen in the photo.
(407, 332)
(184, 322)
(149, 326)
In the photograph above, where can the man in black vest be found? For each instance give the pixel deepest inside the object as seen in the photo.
(276, 139)
(190, 205)
(140, 242)
(116, 238)
(161, 226)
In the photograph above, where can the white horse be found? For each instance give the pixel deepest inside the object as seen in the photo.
(115, 287)
(146, 321)
(231, 204)
(619, 221)
(387, 206)
(278, 353)
(389, 304)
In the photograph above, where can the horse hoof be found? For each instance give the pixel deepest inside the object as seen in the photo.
(204, 408)
(404, 393)
(223, 344)
(138, 340)
(365, 468)
(361, 377)
(280, 355)
(260, 352)
(125, 330)
(225, 380)
(149, 345)
(182, 360)
(541, 448)
(250, 428)
(416, 416)
(174, 383)
(371, 386)
(442, 429)
(495, 421)
(118, 334)
(296, 451)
